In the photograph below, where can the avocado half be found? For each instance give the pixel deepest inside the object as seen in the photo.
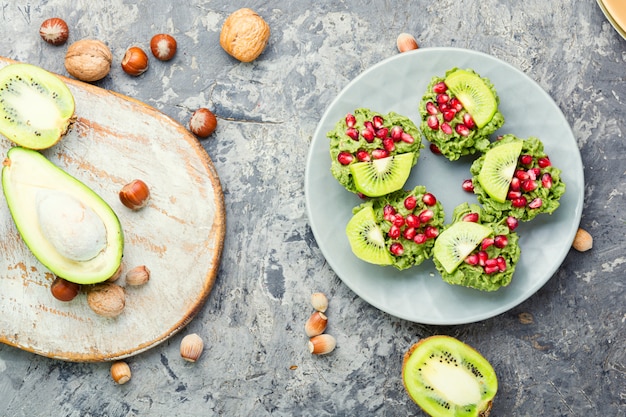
(67, 226)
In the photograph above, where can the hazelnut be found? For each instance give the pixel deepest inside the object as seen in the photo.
(138, 275)
(406, 42)
(244, 35)
(163, 46)
(135, 194)
(135, 61)
(54, 31)
(120, 372)
(88, 60)
(64, 290)
(191, 347)
(322, 344)
(319, 301)
(202, 123)
(316, 324)
(583, 241)
(106, 299)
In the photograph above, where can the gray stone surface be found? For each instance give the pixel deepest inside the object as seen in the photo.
(560, 353)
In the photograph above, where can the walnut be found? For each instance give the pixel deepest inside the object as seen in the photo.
(106, 299)
(244, 35)
(88, 60)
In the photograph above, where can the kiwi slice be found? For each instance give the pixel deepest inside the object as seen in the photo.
(456, 242)
(498, 169)
(382, 176)
(447, 377)
(36, 106)
(366, 238)
(474, 95)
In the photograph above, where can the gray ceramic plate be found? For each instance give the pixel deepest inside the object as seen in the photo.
(418, 294)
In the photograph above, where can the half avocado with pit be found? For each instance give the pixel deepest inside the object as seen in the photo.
(67, 226)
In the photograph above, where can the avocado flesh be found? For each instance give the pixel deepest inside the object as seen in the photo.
(66, 225)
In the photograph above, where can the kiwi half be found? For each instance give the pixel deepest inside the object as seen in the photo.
(382, 176)
(366, 238)
(457, 241)
(447, 377)
(36, 106)
(498, 169)
(474, 94)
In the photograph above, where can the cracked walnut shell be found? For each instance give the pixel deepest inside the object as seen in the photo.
(88, 60)
(244, 35)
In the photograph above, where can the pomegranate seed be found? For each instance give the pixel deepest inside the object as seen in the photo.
(429, 199)
(382, 133)
(535, 171)
(516, 184)
(490, 263)
(369, 126)
(512, 223)
(546, 180)
(399, 220)
(482, 257)
(412, 220)
(472, 259)
(529, 185)
(449, 115)
(362, 155)
(410, 202)
(353, 133)
(426, 215)
(380, 153)
(368, 135)
(462, 130)
(440, 87)
(456, 104)
(444, 107)
(501, 262)
(394, 232)
(431, 108)
(409, 233)
(389, 213)
(471, 217)
(468, 185)
(488, 241)
(434, 149)
(446, 128)
(377, 121)
(544, 162)
(536, 203)
(521, 175)
(532, 175)
(500, 241)
(350, 120)
(432, 122)
(519, 202)
(512, 195)
(431, 232)
(420, 238)
(407, 138)
(389, 144)
(491, 269)
(396, 133)
(396, 248)
(345, 158)
(468, 121)
(526, 159)
(443, 98)
(362, 196)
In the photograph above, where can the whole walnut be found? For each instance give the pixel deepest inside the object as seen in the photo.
(88, 60)
(106, 299)
(244, 35)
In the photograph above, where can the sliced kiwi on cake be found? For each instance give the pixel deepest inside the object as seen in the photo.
(498, 168)
(36, 106)
(366, 238)
(474, 94)
(382, 176)
(456, 242)
(447, 377)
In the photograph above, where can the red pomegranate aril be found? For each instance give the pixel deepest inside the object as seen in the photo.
(446, 128)
(433, 122)
(429, 199)
(350, 120)
(456, 105)
(380, 153)
(443, 107)
(412, 220)
(526, 159)
(500, 241)
(410, 202)
(472, 259)
(471, 217)
(394, 232)
(389, 213)
(405, 137)
(382, 133)
(431, 108)
(399, 220)
(396, 133)
(521, 174)
(440, 87)
(369, 126)
(345, 158)
(377, 121)
(389, 144)
(431, 232)
(488, 241)
(546, 180)
(409, 233)
(368, 135)
(426, 215)
(352, 133)
(516, 184)
(519, 202)
(396, 248)
(501, 262)
(512, 223)
(532, 175)
(462, 130)
(363, 156)
(536, 203)
(420, 238)
(434, 149)
(544, 162)
(468, 185)
(448, 115)
(482, 257)
(534, 172)
(489, 263)
(468, 121)
(512, 195)
(529, 185)
(491, 269)
(442, 98)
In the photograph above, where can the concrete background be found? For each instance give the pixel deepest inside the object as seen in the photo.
(560, 353)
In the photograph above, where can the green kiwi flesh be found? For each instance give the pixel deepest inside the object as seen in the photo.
(498, 168)
(366, 238)
(36, 106)
(382, 176)
(456, 242)
(474, 94)
(447, 377)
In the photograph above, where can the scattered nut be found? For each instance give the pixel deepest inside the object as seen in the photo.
(316, 324)
(322, 344)
(54, 31)
(120, 372)
(106, 299)
(88, 60)
(135, 61)
(135, 194)
(138, 275)
(244, 35)
(202, 123)
(64, 290)
(583, 241)
(191, 347)
(406, 42)
(163, 46)
(319, 301)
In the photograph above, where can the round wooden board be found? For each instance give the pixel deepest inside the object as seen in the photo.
(179, 236)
